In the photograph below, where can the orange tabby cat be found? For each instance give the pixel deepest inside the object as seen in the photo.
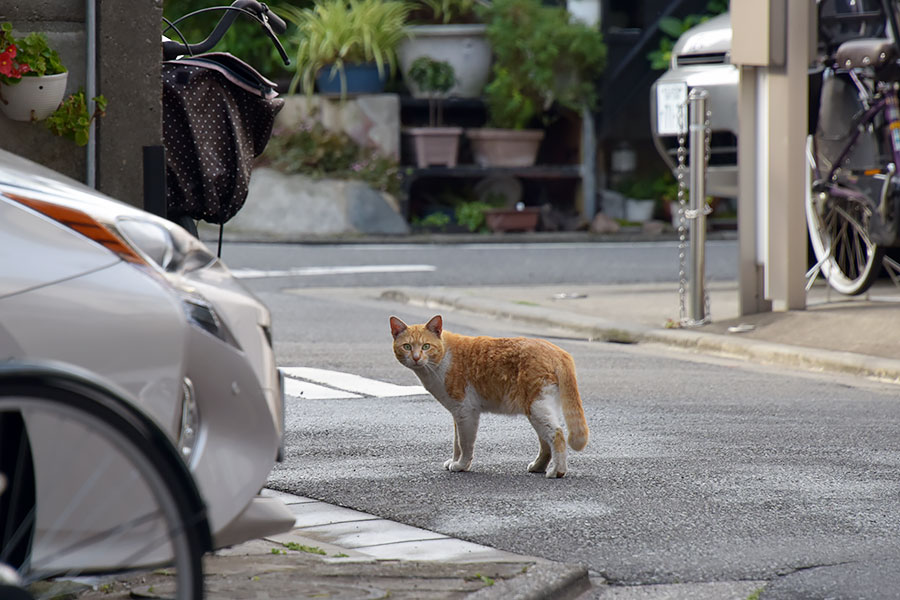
(471, 375)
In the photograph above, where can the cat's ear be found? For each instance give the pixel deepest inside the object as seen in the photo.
(435, 325)
(397, 327)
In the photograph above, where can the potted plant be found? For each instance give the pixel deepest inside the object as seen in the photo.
(451, 31)
(347, 46)
(435, 144)
(542, 58)
(72, 119)
(32, 76)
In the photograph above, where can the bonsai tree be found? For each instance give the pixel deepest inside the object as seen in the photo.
(445, 12)
(336, 33)
(435, 77)
(541, 58)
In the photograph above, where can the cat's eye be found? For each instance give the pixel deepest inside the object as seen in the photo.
(426, 346)
(407, 347)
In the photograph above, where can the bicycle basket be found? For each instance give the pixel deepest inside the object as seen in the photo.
(218, 114)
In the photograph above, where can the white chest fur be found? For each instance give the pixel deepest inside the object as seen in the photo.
(433, 379)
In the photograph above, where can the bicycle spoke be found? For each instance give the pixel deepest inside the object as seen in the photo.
(116, 511)
(838, 220)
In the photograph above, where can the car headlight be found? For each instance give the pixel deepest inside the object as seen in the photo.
(164, 249)
(200, 313)
(172, 249)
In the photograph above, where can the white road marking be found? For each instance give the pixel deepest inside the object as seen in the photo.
(338, 270)
(296, 388)
(348, 384)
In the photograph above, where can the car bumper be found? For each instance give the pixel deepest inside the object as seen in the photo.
(721, 85)
(241, 397)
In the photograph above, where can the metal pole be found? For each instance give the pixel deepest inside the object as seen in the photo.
(90, 84)
(697, 101)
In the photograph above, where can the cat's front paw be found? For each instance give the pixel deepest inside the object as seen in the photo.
(447, 463)
(457, 465)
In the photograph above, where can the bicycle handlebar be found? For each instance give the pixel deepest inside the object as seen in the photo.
(270, 22)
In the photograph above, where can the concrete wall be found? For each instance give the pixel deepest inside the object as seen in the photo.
(128, 74)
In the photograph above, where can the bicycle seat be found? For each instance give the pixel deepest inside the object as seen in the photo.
(866, 52)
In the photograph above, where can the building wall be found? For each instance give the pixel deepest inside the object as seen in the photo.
(128, 75)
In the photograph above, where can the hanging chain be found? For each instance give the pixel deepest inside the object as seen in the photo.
(682, 208)
(685, 213)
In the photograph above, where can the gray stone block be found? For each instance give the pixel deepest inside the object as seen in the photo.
(281, 206)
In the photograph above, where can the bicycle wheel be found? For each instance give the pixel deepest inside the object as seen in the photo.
(839, 232)
(93, 487)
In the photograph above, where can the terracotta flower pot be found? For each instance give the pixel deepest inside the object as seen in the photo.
(505, 147)
(435, 145)
(33, 98)
(502, 220)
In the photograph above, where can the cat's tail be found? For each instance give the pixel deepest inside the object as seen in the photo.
(570, 399)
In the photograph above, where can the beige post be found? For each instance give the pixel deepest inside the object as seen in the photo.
(771, 43)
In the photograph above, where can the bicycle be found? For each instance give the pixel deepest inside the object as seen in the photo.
(853, 152)
(218, 114)
(93, 486)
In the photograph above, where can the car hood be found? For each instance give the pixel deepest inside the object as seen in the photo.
(17, 173)
(710, 37)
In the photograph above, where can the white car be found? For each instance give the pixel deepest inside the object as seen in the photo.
(701, 58)
(134, 301)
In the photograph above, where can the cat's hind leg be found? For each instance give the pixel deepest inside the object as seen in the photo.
(546, 419)
(539, 464)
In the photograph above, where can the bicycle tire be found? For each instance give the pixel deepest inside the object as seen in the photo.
(148, 514)
(839, 234)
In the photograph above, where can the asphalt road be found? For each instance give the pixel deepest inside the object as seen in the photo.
(309, 265)
(698, 470)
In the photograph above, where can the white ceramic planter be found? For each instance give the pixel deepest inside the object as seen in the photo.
(465, 47)
(33, 98)
(639, 210)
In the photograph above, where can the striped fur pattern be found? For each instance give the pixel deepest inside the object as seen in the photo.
(470, 375)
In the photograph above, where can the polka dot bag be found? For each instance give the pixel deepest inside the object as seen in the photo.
(218, 114)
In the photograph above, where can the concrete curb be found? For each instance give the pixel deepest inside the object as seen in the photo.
(596, 328)
(325, 527)
(543, 581)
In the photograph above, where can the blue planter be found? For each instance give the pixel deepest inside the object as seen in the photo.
(361, 79)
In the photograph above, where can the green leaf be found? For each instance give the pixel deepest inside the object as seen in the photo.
(671, 26)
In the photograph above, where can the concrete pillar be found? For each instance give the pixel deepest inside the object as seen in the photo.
(751, 285)
(787, 98)
(772, 42)
(129, 76)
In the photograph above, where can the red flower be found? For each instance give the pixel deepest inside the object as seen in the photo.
(8, 66)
